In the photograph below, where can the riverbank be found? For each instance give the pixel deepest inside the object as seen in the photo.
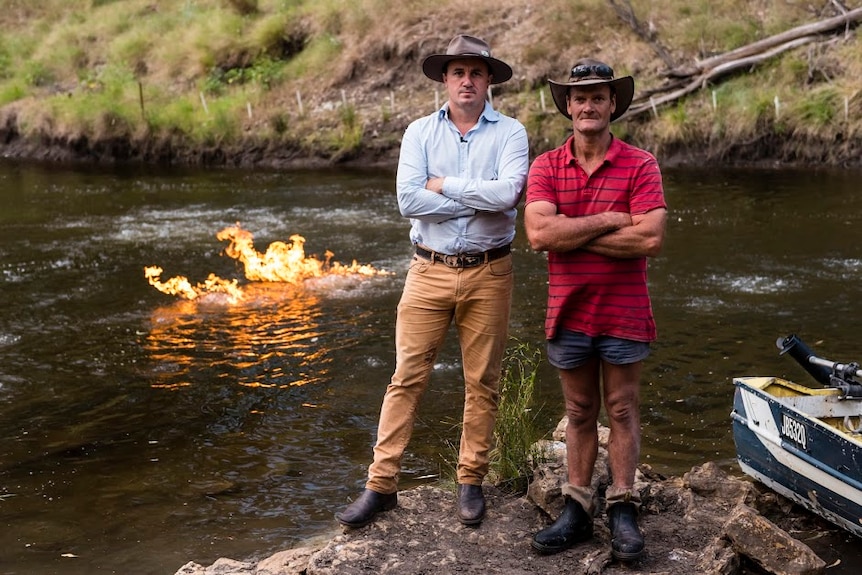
(708, 522)
(769, 152)
(251, 83)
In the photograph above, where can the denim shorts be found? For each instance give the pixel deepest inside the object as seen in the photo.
(570, 349)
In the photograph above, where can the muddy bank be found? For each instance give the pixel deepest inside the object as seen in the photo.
(128, 149)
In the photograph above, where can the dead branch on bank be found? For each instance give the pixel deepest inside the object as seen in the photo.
(646, 33)
(702, 72)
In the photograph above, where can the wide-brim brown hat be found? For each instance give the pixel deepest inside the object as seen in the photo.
(589, 72)
(463, 46)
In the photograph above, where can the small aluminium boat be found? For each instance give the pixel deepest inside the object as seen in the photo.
(803, 442)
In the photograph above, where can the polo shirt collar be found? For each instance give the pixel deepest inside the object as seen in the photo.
(610, 155)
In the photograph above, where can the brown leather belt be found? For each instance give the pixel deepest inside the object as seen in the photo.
(464, 260)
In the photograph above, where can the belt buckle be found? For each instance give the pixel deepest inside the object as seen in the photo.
(464, 260)
(453, 261)
(472, 260)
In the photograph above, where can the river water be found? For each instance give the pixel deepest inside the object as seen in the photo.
(142, 430)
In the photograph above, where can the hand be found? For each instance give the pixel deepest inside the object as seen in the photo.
(435, 185)
(615, 220)
(620, 219)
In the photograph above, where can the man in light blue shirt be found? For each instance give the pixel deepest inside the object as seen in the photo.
(460, 177)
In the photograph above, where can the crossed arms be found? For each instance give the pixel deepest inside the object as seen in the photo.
(494, 184)
(612, 234)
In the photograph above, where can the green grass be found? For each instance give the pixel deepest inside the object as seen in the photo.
(713, 26)
(351, 129)
(6, 59)
(316, 59)
(12, 91)
(818, 109)
(279, 35)
(516, 432)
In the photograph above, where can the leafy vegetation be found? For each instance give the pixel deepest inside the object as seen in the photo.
(232, 72)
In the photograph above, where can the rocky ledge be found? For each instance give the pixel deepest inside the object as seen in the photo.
(706, 522)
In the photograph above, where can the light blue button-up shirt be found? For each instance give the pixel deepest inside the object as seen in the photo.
(484, 175)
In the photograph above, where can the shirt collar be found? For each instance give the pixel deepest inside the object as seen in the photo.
(610, 155)
(488, 113)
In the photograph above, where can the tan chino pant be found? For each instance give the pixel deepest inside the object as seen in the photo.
(478, 299)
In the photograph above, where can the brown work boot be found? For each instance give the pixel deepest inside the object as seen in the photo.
(362, 511)
(471, 504)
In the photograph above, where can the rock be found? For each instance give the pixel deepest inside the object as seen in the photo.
(222, 566)
(422, 535)
(717, 559)
(289, 562)
(770, 546)
(544, 489)
(706, 522)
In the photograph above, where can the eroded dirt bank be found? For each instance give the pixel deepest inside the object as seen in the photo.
(376, 151)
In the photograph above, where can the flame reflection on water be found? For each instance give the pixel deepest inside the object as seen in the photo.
(269, 339)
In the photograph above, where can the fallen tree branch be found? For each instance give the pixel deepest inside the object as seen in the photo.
(815, 28)
(702, 72)
(702, 80)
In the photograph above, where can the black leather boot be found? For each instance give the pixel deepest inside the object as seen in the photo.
(627, 542)
(574, 525)
(362, 511)
(471, 504)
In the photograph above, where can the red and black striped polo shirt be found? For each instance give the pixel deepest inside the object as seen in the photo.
(588, 292)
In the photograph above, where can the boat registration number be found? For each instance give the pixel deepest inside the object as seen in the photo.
(794, 430)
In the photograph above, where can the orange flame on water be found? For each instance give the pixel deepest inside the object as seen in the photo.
(180, 285)
(282, 262)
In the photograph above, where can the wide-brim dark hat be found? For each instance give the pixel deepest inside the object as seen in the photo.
(589, 72)
(463, 46)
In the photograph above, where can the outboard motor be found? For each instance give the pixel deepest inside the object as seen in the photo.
(798, 350)
(844, 378)
(832, 374)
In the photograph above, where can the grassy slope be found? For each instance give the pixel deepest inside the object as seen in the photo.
(275, 79)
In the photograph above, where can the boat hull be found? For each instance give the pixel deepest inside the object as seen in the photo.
(800, 456)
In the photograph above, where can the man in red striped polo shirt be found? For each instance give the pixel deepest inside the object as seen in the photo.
(596, 205)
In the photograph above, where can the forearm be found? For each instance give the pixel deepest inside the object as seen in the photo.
(642, 239)
(559, 233)
(423, 204)
(484, 195)
(501, 190)
(617, 244)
